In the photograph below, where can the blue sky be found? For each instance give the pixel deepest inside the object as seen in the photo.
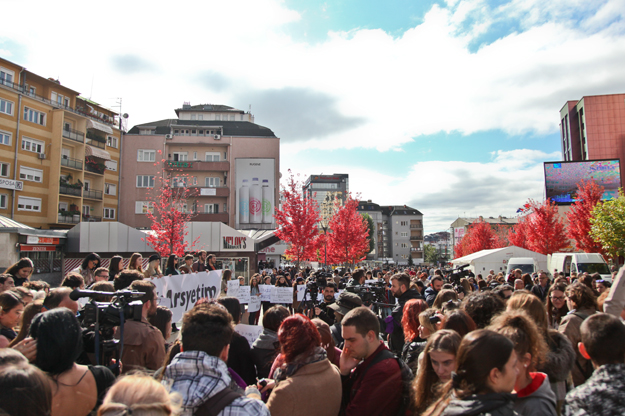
(450, 106)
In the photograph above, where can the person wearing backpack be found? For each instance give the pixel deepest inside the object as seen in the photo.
(200, 374)
(374, 386)
(582, 304)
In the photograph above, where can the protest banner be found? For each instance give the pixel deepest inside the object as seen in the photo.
(265, 292)
(282, 295)
(301, 289)
(249, 332)
(254, 305)
(180, 292)
(233, 288)
(244, 294)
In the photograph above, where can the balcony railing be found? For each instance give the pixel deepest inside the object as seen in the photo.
(68, 190)
(92, 194)
(91, 218)
(74, 135)
(415, 237)
(94, 169)
(95, 143)
(71, 163)
(69, 219)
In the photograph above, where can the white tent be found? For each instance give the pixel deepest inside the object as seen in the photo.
(497, 259)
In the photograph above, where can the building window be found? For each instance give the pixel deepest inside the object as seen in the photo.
(109, 213)
(146, 132)
(217, 117)
(211, 208)
(111, 165)
(200, 117)
(194, 155)
(4, 198)
(34, 116)
(180, 156)
(193, 117)
(145, 181)
(32, 145)
(231, 118)
(25, 203)
(110, 189)
(30, 174)
(404, 223)
(4, 169)
(404, 234)
(6, 107)
(212, 157)
(111, 141)
(143, 207)
(146, 155)
(212, 182)
(5, 138)
(6, 76)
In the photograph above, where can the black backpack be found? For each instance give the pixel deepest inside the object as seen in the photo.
(406, 380)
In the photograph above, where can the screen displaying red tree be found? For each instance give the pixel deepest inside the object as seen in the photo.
(588, 195)
(168, 211)
(479, 236)
(348, 240)
(297, 220)
(541, 230)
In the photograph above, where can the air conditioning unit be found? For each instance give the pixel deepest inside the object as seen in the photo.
(169, 136)
(217, 137)
(42, 155)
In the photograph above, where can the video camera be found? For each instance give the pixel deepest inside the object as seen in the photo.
(369, 293)
(458, 273)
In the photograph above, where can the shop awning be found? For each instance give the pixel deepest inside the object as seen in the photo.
(95, 152)
(92, 124)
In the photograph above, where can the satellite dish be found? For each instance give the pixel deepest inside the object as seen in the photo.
(125, 115)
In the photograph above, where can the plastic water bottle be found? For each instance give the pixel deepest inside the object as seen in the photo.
(244, 203)
(256, 210)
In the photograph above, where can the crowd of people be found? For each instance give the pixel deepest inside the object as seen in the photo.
(434, 342)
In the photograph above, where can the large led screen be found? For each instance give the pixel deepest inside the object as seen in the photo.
(561, 178)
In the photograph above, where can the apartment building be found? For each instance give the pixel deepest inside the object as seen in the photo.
(231, 164)
(59, 153)
(326, 190)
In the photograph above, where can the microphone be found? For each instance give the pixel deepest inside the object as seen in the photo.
(77, 294)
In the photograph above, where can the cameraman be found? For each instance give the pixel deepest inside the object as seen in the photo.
(400, 286)
(358, 278)
(322, 311)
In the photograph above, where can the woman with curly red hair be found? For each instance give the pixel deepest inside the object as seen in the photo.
(303, 366)
(410, 323)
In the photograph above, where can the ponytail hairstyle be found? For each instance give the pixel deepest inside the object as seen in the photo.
(524, 333)
(425, 384)
(479, 352)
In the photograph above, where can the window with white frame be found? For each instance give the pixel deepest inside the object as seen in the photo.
(212, 182)
(200, 117)
(179, 156)
(34, 116)
(32, 91)
(86, 210)
(60, 99)
(194, 155)
(6, 76)
(32, 145)
(30, 174)
(212, 156)
(145, 155)
(145, 181)
(4, 169)
(111, 141)
(109, 213)
(182, 181)
(111, 165)
(110, 189)
(211, 208)
(5, 138)
(25, 203)
(404, 234)
(193, 117)
(6, 107)
(217, 117)
(403, 223)
(143, 207)
(4, 198)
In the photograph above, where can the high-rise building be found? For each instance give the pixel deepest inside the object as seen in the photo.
(593, 128)
(59, 153)
(326, 190)
(231, 163)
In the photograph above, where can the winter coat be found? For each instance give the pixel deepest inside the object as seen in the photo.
(397, 336)
(602, 395)
(430, 295)
(240, 359)
(558, 363)
(410, 353)
(542, 401)
(264, 351)
(314, 389)
(570, 326)
(198, 376)
(492, 404)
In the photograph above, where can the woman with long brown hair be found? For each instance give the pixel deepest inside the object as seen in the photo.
(136, 262)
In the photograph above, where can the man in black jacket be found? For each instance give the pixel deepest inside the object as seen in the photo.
(542, 288)
(400, 286)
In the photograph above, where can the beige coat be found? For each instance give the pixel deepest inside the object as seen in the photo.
(570, 326)
(314, 390)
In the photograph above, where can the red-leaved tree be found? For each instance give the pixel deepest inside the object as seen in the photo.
(168, 211)
(479, 236)
(348, 240)
(588, 195)
(296, 222)
(542, 229)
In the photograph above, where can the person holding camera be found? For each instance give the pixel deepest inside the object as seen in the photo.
(323, 311)
(144, 345)
(345, 303)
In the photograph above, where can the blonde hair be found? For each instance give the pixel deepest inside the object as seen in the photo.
(140, 395)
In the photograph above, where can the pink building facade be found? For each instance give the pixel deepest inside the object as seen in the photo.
(217, 150)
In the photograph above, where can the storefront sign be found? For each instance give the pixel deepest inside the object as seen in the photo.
(230, 243)
(28, 247)
(179, 164)
(41, 240)
(11, 184)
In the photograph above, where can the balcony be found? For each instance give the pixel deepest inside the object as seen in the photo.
(415, 238)
(68, 218)
(95, 143)
(416, 226)
(92, 194)
(219, 191)
(220, 217)
(91, 218)
(69, 162)
(70, 190)
(74, 135)
(197, 166)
